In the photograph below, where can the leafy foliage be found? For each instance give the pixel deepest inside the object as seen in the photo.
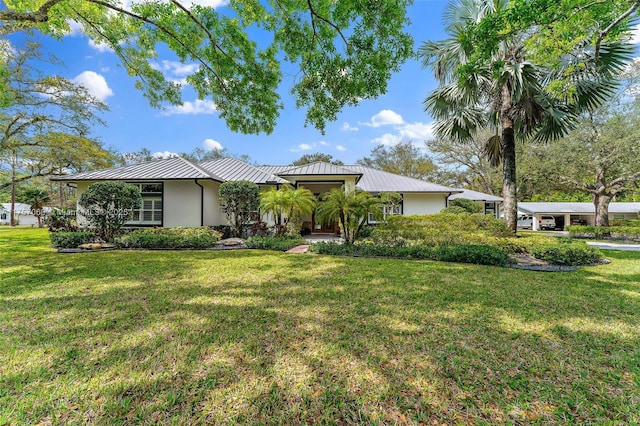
(71, 239)
(315, 157)
(623, 232)
(62, 220)
(287, 205)
(36, 198)
(281, 243)
(169, 238)
(344, 51)
(107, 206)
(468, 205)
(239, 200)
(478, 254)
(350, 207)
(403, 158)
(503, 91)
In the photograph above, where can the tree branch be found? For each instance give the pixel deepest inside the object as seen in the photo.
(602, 34)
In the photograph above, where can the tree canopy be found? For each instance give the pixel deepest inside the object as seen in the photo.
(342, 51)
(317, 156)
(403, 159)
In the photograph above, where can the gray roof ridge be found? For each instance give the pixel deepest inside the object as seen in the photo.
(200, 169)
(318, 162)
(271, 177)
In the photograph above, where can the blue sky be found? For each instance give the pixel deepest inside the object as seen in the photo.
(132, 124)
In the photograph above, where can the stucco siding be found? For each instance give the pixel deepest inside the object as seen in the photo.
(181, 203)
(212, 213)
(423, 203)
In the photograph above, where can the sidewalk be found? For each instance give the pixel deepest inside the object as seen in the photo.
(615, 246)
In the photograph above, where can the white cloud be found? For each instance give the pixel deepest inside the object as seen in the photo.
(346, 127)
(387, 139)
(100, 47)
(324, 143)
(212, 145)
(340, 148)
(385, 117)
(75, 27)
(199, 106)
(635, 35)
(165, 154)
(417, 132)
(95, 84)
(175, 67)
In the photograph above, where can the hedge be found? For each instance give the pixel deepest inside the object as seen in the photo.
(71, 239)
(283, 243)
(615, 232)
(169, 238)
(468, 253)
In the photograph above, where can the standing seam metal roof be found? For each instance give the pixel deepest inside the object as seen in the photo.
(232, 169)
(171, 168)
(475, 195)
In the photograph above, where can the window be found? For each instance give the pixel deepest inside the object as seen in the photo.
(387, 210)
(150, 211)
(3, 216)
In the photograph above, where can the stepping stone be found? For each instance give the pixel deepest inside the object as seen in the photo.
(299, 249)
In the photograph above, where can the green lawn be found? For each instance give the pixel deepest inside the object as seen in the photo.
(253, 337)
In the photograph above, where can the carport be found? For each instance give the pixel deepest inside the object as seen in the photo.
(567, 213)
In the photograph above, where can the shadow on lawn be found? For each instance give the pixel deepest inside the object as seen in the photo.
(254, 337)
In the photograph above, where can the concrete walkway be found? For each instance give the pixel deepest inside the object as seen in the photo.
(614, 246)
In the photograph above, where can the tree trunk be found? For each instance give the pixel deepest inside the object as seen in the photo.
(508, 163)
(12, 213)
(601, 203)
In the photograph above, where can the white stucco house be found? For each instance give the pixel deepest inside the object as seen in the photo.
(22, 214)
(178, 192)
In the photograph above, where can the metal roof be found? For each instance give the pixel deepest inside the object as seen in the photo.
(233, 169)
(575, 207)
(319, 168)
(374, 180)
(475, 196)
(169, 169)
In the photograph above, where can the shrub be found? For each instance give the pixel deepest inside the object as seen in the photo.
(454, 210)
(239, 200)
(107, 206)
(71, 239)
(282, 243)
(567, 253)
(62, 220)
(617, 232)
(466, 204)
(478, 254)
(169, 238)
(224, 230)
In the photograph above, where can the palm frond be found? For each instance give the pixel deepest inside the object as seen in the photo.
(493, 150)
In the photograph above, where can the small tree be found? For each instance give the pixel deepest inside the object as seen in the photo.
(36, 198)
(350, 207)
(107, 206)
(239, 200)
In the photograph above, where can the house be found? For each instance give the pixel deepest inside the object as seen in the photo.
(567, 213)
(491, 204)
(178, 192)
(22, 214)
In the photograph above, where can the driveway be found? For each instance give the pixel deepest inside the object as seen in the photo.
(615, 246)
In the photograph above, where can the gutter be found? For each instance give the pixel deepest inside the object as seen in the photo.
(201, 202)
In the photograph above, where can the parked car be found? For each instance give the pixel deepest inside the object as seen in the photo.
(547, 222)
(578, 221)
(525, 222)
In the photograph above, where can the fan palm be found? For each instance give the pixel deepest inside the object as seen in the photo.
(36, 198)
(508, 94)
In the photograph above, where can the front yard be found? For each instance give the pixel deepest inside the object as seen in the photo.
(257, 337)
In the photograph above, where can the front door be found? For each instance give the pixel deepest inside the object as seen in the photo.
(319, 227)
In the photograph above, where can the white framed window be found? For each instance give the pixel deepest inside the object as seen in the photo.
(150, 211)
(387, 210)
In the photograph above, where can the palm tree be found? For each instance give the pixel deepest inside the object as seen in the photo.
(508, 94)
(287, 205)
(350, 207)
(36, 199)
(274, 202)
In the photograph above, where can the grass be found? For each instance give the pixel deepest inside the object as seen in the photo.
(255, 337)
